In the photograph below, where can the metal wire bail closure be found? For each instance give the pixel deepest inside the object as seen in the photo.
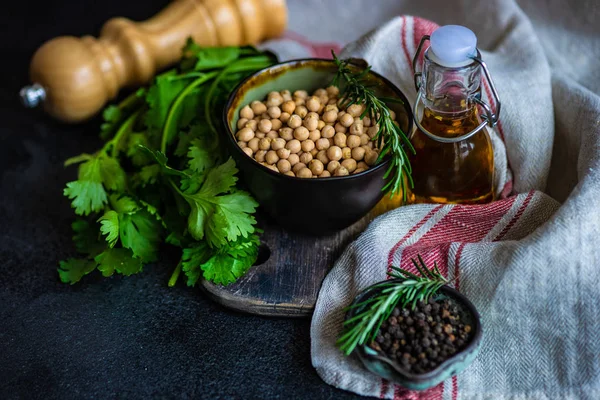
(490, 118)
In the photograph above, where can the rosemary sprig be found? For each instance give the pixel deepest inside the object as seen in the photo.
(363, 327)
(390, 138)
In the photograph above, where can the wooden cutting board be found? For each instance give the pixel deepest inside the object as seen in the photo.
(290, 268)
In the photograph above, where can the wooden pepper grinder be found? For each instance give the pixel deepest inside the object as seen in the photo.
(75, 77)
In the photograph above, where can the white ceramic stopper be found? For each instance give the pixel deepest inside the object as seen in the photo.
(453, 46)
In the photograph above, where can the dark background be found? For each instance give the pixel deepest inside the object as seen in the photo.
(119, 337)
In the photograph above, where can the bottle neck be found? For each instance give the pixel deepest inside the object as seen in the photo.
(450, 92)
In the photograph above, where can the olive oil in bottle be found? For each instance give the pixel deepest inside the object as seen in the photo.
(454, 158)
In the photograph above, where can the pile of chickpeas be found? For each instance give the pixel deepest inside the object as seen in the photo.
(308, 136)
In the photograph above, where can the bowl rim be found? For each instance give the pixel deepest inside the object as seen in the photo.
(471, 346)
(302, 61)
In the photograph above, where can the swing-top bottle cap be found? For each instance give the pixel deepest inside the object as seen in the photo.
(453, 46)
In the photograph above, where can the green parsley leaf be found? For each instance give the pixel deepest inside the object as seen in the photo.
(86, 237)
(192, 259)
(141, 233)
(205, 58)
(123, 204)
(137, 156)
(201, 157)
(72, 270)
(223, 269)
(87, 196)
(160, 97)
(110, 227)
(120, 260)
(161, 159)
(113, 175)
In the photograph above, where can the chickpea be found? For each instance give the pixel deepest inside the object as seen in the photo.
(305, 158)
(362, 165)
(330, 116)
(340, 128)
(320, 124)
(314, 135)
(242, 122)
(283, 154)
(349, 164)
(286, 95)
(264, 115)
(347, 120)
(294, 121)
(271, 157)
(259, 135)
(301, 133)
(358, 153)
(293, 146)
(307, 145)
(320, 92)
(341, 114)
(271, 167)
(274, 112)
(340, 139)
(366, 121)
(298, 101)
(277, 144)
(301, 111)
(358, 171)
(284, 117)
(334, 153)
(311, 122)
(264, 144)
(346, 153)
(289, 173)
(353, 141)
(333, 91)
(252, 124)
(246, 112)
(242, 144)
(245, 134)
(392, 115)
(332, 101)
(313, 103)
(288, 107)
(293, 159)
(265, 125)
(253, 144)
(304, 173)
(332, 166)
(322, 156)
(284, 166)
(364, 139)
(314, 152)
(356, 128)
(276, 124)
(248, 151)
(341, 171)
(272, 135)
(325, 174)
(258, 107)
(316, 167)
(371, 158)
(286, 133)
(324, 100)
(301, 93)
(328, 131)
(322, 144)
(298, 167)
(260, 155)
(354, 110)
(274, 99)
(372, 131)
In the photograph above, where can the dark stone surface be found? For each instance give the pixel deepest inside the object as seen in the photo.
(127, 337)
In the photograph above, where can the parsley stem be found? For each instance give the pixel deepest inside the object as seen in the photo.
(175, 275)
(175, 106)
(123, 129)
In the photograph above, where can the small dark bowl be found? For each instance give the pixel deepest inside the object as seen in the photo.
(391, 370)
(314, 206)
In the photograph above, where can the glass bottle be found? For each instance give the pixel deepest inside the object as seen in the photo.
(454, 158)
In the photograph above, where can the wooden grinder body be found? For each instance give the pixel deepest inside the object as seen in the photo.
(79, 75)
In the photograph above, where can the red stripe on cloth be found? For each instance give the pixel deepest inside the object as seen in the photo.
(320, 50)
(454, 388)
(422, 27)
(412, 230)
(514, 219)
(403, 41)
(384, 388)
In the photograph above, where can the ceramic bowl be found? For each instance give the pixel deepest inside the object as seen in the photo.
(391, 370)
(312, 206)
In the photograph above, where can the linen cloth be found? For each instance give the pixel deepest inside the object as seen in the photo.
(530, 262)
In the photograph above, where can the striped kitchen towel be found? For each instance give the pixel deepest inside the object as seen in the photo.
(530, 264)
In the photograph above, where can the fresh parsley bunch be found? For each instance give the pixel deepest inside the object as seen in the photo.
(163, 177)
